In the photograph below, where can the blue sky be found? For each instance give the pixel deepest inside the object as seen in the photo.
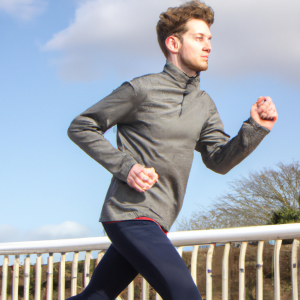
(59, 57)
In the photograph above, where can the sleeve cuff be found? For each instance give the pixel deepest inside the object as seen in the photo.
(259, 128)
(127, 164)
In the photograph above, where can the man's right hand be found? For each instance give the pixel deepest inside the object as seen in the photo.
(141, 178)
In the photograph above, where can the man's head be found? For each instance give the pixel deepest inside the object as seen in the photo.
(183, 34)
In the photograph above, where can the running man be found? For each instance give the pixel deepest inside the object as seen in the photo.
(161, 119)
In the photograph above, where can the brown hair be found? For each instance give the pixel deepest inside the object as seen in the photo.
(173, 21)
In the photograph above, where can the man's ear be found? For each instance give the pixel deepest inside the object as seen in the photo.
(173, 44)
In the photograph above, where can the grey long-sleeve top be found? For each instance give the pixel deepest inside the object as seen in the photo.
(161, 119)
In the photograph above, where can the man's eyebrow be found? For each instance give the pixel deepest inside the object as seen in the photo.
(202, 34)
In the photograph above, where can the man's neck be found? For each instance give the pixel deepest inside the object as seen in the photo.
(176, 62)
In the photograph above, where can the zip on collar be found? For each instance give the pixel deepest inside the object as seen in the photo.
(182, 78)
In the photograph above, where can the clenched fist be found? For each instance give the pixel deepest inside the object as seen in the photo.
(141, 178)
(264, 112)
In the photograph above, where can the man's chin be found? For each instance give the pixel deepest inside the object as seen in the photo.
(204, 68)
(198, 68)
(201, 68)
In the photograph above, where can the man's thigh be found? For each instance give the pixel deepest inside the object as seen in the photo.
(150, 252)
(112, 275)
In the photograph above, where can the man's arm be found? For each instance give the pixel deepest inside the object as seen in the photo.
(221, 154)
(88, 128)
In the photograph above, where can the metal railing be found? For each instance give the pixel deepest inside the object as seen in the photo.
(244, 235)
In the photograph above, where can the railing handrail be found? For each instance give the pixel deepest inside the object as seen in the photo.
(180, 238)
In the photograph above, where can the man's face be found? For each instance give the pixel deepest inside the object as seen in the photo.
(195, 47)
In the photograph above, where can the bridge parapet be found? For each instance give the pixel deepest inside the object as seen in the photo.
(242, 235)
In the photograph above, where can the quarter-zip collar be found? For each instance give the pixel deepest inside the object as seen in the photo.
(183, 80)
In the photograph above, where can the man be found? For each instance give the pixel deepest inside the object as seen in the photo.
(161, 119)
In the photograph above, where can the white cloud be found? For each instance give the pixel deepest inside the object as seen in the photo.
(248, 36)
(64, 230)
(257, 36)
(105, 35)
(8, 233)
(23, 9)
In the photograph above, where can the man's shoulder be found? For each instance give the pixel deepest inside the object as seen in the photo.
(147, 80)
(207, 97)
(210, 104)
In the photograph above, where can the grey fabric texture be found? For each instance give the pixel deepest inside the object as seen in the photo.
(161, 119)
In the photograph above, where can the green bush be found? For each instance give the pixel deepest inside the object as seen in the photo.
(285, 216)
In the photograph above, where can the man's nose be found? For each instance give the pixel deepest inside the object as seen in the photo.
(207, 46)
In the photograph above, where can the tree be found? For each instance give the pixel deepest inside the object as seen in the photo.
(252, 200)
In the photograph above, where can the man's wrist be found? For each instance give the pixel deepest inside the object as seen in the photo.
(257, 126)
(128, 163)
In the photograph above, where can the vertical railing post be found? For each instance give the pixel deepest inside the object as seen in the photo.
(294, 270)
(194, 263)
(49, 294)
(130, 293)
(62, 277)
(225, 272)
(26, 277)
(87, 263)
(4, 278)
(145, 290)
(74, 274)
(99, 257)
(38, 277)
(179, 250)
(277, 270)
(15, 288)
(242, 290)
(209, 257)
(259, 271)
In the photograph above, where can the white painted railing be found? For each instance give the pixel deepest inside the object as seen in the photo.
(179, 239)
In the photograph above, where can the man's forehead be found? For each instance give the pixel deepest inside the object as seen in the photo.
(198, 27)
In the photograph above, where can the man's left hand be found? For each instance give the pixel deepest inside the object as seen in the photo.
(264, 112)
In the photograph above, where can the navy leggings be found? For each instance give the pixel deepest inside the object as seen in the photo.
(140, 246)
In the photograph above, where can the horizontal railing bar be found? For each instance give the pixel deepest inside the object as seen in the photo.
(239, 234)
(181, 238)
(55, 246)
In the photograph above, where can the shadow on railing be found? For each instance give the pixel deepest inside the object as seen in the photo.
(238, 238)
